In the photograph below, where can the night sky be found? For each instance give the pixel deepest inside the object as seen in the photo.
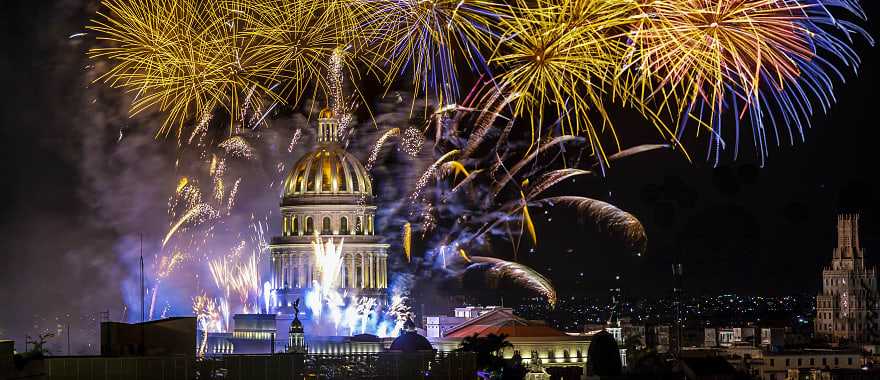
(736, 228)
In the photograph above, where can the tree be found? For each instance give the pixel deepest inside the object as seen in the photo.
(489, 354)
(603, 357)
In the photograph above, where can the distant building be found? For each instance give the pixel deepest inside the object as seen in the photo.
(536, 343)
(847, 309)
(777, 366)
(436, 326)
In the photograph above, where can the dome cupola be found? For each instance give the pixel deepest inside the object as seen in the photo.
(327, 170)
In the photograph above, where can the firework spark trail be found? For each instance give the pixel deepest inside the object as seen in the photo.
(230, 199)
(240, 278)
(377, 148)
(518, 273)
(294, 140)
(429, 174)
(197, 214)
(328, 263)
(237, 147)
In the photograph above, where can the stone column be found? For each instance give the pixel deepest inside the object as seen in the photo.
(372, 272)
(384, 264)
(349, 262)
(300, 272)
(363, 269)
(307, 267)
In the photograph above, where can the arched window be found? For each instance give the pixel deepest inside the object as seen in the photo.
(295, 225)
(325, 226)
(358, 227)
(343, 226)
(310, 226)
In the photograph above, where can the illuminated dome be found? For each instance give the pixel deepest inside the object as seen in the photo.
(328, 170)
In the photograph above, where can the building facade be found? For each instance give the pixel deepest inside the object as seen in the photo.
(847, 309)
(328, 195)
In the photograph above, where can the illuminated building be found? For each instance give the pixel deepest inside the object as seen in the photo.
(328, 194)
(538, 344)
(847, 309)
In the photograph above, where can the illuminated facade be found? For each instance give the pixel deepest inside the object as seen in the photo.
(848, 309)
(328, 194)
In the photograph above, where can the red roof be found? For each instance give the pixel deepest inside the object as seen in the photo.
(502, 321)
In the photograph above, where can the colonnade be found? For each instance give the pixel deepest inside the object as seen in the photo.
(359, 270)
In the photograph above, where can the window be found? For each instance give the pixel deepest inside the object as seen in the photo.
(358, 229)
(325, 226)
(800, 362)
(772, 362)
(849, 360)
(824, 361)
(836, 361)
(310, 226)
(295, 225)
(787, 362)
(812, 361)
(343, 226)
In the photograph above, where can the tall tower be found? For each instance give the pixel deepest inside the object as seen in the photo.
(847, 309)
(328, 195)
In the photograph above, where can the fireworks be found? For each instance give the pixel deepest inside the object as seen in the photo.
(758, 60)
(183, 57)
(520, 274)
(562, 56)
(557, 65)
(429, 38)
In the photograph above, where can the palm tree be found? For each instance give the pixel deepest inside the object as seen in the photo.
(488, 349)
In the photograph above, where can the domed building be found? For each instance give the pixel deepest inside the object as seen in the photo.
(410, 340)
(328, 194)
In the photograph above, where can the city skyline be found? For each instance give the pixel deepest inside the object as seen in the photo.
(83, 180)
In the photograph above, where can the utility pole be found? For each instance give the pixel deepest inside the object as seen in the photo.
(677, 272)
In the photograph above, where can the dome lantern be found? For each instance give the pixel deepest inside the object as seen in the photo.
(328, 127)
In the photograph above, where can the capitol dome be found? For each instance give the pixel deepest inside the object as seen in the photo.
(327, 170)
(327, 196)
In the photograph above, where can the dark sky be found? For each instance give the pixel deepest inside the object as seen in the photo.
(738, 228)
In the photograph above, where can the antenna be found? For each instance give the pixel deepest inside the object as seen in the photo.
(143, 306)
